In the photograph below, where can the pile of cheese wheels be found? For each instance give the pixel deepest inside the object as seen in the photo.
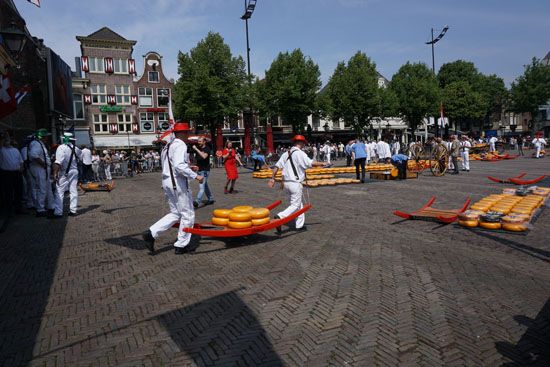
(240, 217)
(330, 182)
(508, 212)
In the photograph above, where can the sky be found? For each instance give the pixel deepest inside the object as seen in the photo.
(499, 36)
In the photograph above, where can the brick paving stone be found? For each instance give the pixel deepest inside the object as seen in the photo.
(359, 288)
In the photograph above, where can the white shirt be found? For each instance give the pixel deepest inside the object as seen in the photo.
(37, 149)
(466, 145)
(539, 142)
(63, 156)
(177, 153)
(10, 159)
(96, 159)
(301, 163)
(86, 156)
(493, 140)
(383, 150)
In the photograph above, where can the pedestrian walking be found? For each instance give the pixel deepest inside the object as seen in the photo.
(107, 160)
(65, 175)
(176, 173)
(204, 153)
(230, 160)
(96, 160)
(86, 164)
(455, 152)
(465, 146)
(41, 164)
(359, 156)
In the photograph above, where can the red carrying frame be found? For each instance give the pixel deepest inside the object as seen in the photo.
(210, 230)
(429, 213)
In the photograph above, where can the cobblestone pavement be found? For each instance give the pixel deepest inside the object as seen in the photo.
(360, 287)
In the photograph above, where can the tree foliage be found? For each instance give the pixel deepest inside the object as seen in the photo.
(211, 83)
(417, 92)
(462, 102)
(290, 88)
(531, 89)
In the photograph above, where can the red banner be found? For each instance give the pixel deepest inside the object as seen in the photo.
(219, 138)
(269, 138)
(8, 103)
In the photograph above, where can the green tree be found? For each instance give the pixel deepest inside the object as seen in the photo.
(531, 89)
(462, 103)
(290, 88)
(353, 92)
(458, 71)
(417, 92)
(211, 83)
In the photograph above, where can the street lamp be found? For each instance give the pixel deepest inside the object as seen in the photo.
(249, 6)
(14, 38)
(433, 42)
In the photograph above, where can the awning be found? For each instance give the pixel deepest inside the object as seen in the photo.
(124, 140)
(82, 136)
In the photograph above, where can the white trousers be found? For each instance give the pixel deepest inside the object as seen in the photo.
(181, 210)
(294, 192)
(492, 147)
(29, 198)
(42, 188)
(65, 183)
(328, 157)
(108, 176)
(466, 160)
(537, 154)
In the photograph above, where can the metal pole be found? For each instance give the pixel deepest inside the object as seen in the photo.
(128, 134)
(248, 122)
(433, 53)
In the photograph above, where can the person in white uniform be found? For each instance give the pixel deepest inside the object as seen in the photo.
(492, 143)
(65, 174)
(383, 151)
(87, 174)
(176, 173)
(539, 143)
(293, 164)
(465, 146)
(28, 191)
(40, 166)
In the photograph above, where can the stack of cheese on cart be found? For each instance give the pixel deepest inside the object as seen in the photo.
(326, 176)
(512, 210)
(240, 217)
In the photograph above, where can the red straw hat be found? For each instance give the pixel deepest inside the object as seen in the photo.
(180, 126)
(299, 138)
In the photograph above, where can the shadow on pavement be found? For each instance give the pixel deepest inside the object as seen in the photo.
(28, 259)
(89, 208)
(134, 242)
(537, 253)
(231, 243)
(533, 348)
(219, 331)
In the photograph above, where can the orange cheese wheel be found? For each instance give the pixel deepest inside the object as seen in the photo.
(259, 213)
(239, 225)
(468, 223)
(240, 217)
(221, 213)
(490, 225)
(242, 209)
(514, 227)
(501, 210)
(260, 222)
(522, 211)
(483, 208)
(220, 221)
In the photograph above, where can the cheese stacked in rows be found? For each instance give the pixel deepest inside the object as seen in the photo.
(240, 217)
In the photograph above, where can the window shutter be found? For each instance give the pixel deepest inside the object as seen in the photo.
(87, 99)
(131, 66)
(85, 64)
(109, 65)
(134, 99)
(111, 99)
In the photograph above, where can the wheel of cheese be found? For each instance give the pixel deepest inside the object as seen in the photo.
(482, 208)
(488, 225)
(470, 215)
(259, 213)
(260, 222)
(512, 219)
(468, 223)
(514, 227)
(239, 225)
(220, 221)
(520, 217)
(242, 209)
(240, 217)
(502, 210)
(522, 211)
(221, 213)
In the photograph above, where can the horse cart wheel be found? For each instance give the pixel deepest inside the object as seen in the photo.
(439, 160)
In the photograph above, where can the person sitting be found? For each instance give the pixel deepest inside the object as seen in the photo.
(259, 159)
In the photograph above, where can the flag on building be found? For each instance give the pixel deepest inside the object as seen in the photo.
(8, 102)
(35, 2)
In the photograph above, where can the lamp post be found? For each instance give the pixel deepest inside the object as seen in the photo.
(14, 39)
(249, 6)
(433, 42)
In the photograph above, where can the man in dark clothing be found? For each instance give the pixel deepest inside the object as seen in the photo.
(455, 152)
(203, 154)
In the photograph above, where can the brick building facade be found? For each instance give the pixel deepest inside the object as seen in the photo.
(118, 109)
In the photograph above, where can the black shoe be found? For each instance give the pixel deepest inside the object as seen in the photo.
(54, 216)
(210, 202)
(279, 229)
(71, 214)
(195, 204)
(303, 229)
(149, 241)
(41, 214)
(181, 250)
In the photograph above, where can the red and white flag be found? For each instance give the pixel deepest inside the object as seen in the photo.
(35, 2)
(8, 102)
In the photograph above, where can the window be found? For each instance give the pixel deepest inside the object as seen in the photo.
(145, 97)
(100, 124)
(120, 66)
(124, 122)
(96, 64)
(99, 93)
(164, 121)
(153, 77)
(163, 97)
(78, 105)
(147, 122)
(122, 93)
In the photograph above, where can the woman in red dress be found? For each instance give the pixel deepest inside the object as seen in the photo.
(230, 162)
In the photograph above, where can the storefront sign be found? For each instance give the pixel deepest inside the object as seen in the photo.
(111, 108)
